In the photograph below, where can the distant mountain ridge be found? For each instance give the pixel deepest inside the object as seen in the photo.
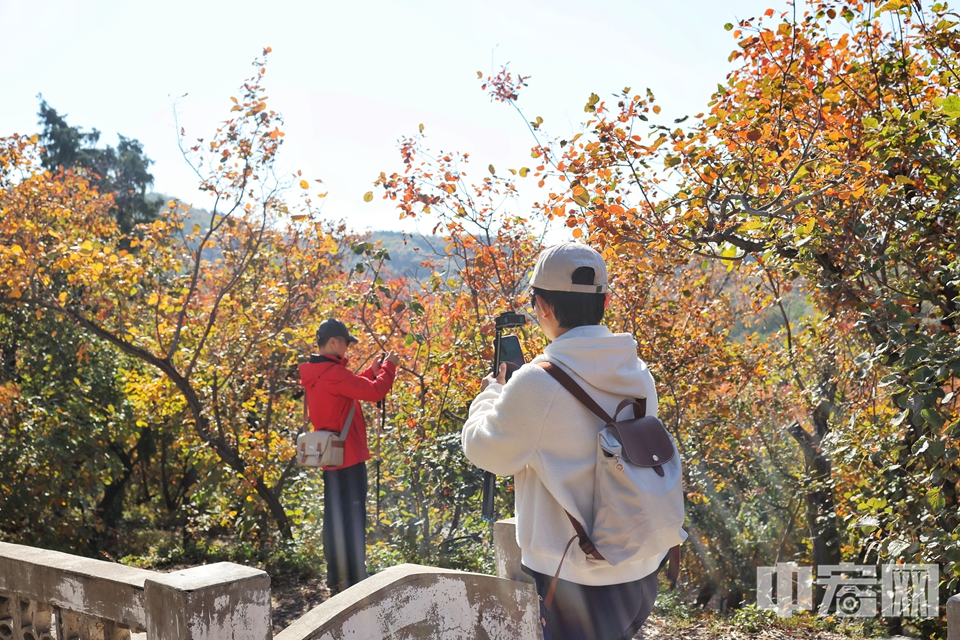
(406, 250)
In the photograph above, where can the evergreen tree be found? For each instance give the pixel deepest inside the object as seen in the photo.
(122, 171)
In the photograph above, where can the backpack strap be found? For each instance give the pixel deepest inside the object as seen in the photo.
(586, 545)
(673, 571)
(673, 557)
(576, 390)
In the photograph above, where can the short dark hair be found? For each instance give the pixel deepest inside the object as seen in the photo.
(322, 342)
(575, 309)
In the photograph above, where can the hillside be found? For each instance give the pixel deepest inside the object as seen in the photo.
(406, 250)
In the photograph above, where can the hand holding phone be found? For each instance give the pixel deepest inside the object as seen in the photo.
(501, 378)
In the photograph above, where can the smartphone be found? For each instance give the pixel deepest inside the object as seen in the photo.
(510, 350)
(511, 353)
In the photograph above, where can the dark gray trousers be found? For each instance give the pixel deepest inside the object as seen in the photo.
(582, 612)
(345, 526)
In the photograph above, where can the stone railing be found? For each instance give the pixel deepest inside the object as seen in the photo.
(47, 595)
(953, 618)
(413, 601)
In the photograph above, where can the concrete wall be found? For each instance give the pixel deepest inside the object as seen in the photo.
(507, 551)
(47, 595)
(412, 601)
(953, 618)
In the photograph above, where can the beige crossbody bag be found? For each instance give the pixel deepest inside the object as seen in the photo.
(322, 448)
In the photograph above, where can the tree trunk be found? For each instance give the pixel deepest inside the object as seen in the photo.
(110, 506)
(821, 510)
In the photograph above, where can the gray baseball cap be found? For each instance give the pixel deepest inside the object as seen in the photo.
(556, 264)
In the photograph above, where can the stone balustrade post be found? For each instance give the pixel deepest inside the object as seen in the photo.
(507, 551)
(953, 618)
(221, 601)
(48, 595)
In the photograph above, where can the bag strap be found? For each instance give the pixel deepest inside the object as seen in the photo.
(346, 425)
(673, 571)
(673, 567)
(586, 545)
(344, 430)
(577, 392)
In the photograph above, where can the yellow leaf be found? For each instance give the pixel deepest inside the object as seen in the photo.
(368, 196)
(196, 228)
(894, 5)
(86, 246)
(323, 195)
(421, 127)
(153, 299)
(523, 172)
(15, 249)
(304, 184)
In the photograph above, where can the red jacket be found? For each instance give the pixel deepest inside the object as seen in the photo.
(331, 388)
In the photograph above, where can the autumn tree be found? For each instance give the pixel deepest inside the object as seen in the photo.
(57, 368)
(481, 251)
(218, 313)
(827, 159)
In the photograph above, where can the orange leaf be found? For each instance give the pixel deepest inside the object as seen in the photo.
(304, 184)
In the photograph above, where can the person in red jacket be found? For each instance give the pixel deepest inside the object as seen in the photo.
(332, 390)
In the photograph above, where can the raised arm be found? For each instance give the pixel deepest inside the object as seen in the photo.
(505, 423)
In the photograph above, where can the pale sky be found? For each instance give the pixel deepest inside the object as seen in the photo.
(352, 78)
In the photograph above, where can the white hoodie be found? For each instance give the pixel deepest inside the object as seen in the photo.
(534, 429)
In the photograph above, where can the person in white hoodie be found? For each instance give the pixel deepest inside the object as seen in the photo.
(535, 430)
